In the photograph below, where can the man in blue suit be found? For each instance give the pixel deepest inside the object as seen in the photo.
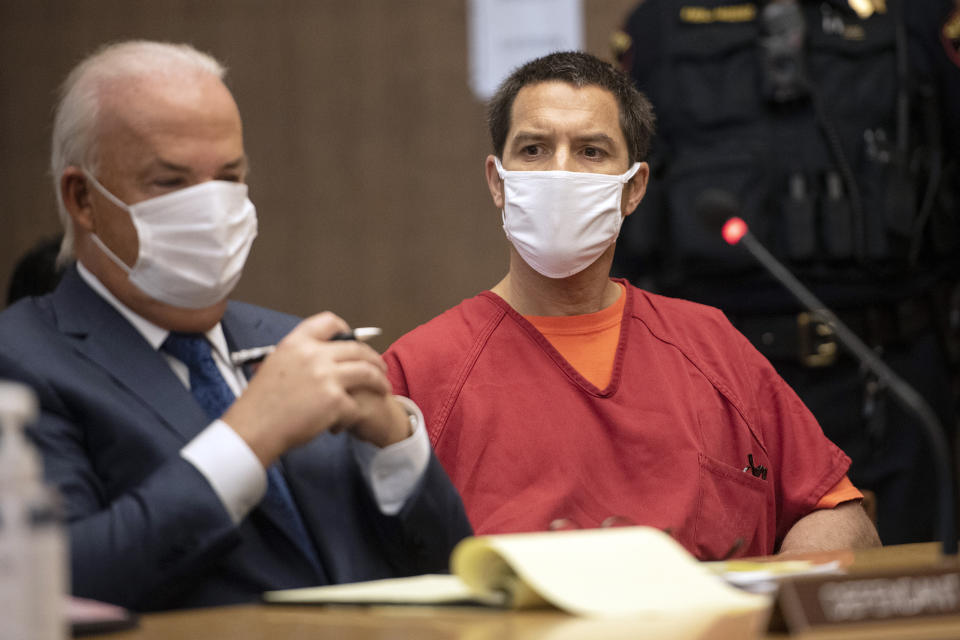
(187, 480)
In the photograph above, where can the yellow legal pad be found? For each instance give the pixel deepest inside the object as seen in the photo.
(637, 579)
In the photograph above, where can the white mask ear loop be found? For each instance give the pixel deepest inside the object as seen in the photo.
(624, 179)
(499, 165)
(110, 254)
(632, 171)
(93, 236)
(103, 190)
(503, 191)
(503, 210)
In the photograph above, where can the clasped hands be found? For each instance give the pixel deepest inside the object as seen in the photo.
(309, 385)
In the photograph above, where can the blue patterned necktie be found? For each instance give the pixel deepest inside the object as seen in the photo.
(215, 396)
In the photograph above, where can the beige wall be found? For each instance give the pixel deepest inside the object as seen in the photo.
(366, 144)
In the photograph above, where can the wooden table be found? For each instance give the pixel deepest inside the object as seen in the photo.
(271, 622)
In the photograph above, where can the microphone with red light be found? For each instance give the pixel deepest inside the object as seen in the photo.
(718, 209)
(734, 229)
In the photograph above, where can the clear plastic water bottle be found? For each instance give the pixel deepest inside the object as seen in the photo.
(33, 560)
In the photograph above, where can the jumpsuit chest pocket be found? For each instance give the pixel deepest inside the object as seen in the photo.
(732, 510)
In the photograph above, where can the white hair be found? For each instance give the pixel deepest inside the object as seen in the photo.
(77, 113)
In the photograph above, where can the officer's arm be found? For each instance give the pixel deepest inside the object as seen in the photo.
(846, 526)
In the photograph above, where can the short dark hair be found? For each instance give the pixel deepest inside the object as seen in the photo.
(580, 70)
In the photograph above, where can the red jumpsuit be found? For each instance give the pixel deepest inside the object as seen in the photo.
(527, 440)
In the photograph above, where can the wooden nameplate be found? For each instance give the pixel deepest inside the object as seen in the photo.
(919, 602)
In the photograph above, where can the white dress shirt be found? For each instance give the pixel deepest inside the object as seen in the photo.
(231, 467)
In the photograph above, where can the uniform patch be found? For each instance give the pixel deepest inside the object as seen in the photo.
(746, 12)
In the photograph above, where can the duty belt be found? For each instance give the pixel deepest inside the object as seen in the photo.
(804, 338)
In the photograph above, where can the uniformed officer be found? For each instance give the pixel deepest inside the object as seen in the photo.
(835, 124)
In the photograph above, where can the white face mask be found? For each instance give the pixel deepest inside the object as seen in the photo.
(193, 242)
(560, 222)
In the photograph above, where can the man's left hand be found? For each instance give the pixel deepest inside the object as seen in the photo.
(381, 420)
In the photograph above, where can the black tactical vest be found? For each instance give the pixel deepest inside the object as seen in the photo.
(824, 124)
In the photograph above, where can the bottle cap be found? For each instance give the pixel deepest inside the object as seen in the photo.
(19, 461)
(18, 401)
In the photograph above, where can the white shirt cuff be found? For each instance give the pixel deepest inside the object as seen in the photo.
(393, 471)
(230, 466)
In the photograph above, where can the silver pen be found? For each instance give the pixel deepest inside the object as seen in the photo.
(256, 354)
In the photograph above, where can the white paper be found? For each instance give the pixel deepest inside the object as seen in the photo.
(504, 34)
(425, 589)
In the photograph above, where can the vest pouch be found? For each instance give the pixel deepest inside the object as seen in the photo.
(889, 206)
(735, 169)
(944, 228)
(853, 65)
(836, 218)
(712, 77)
(799, 213)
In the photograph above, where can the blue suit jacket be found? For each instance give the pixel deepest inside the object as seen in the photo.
(146, 528)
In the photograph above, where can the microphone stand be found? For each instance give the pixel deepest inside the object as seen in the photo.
(903, 393)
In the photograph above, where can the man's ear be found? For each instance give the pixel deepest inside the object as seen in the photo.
(75, 193)
(635, 189)
(494, 183)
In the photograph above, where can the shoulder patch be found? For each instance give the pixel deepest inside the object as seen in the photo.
(950, 35)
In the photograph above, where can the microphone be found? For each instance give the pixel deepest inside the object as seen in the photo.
(718, 209)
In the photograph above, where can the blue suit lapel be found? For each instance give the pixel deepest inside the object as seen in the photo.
(108, 340)
(105, 337)
(242, 330)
